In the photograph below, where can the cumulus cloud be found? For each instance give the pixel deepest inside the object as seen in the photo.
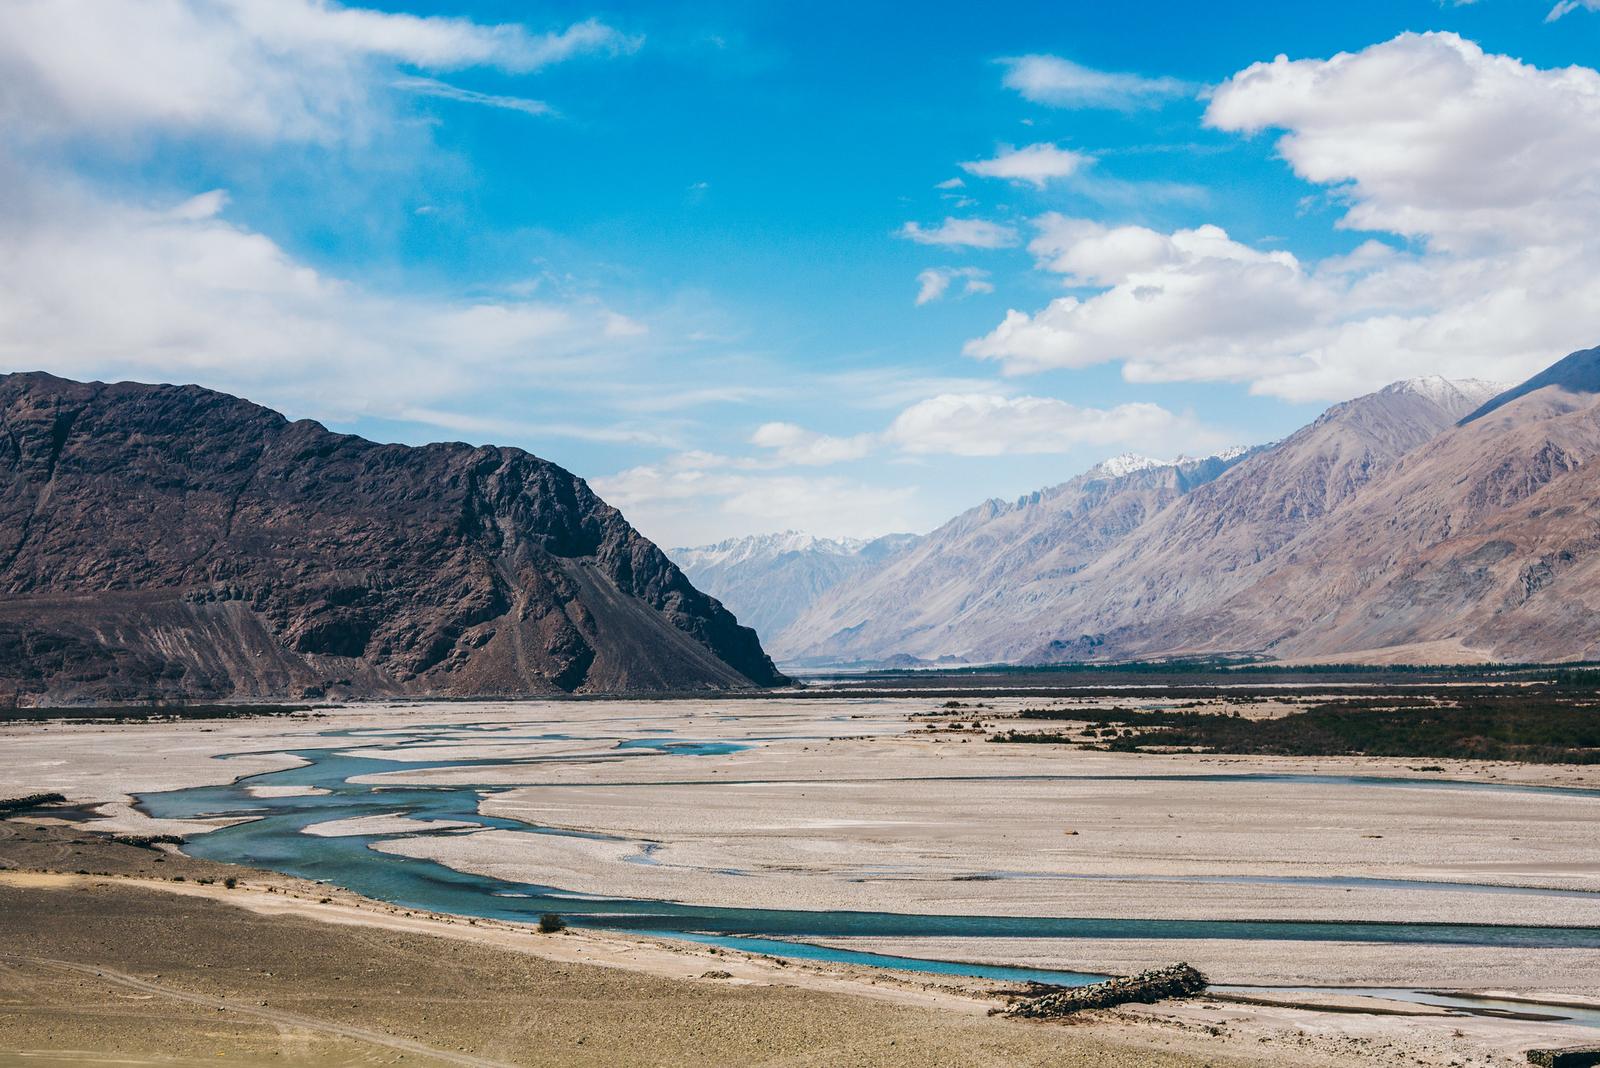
(934, 283)
(1480, 161)
(298, 70)
(1058, 82)
(1173, 304)
(1428, 136)
(1036, 165)
(962, 233)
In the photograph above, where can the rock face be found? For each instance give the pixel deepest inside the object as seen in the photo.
(975, 588)
(173, 541)
(768, 580)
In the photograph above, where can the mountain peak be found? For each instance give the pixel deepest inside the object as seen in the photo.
(1578, 372)
(1446, 392)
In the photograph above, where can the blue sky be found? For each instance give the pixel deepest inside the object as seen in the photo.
(850, 268)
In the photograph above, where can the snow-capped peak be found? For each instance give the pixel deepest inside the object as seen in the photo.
(1123, 464)
(765, 546)
(1441, 390)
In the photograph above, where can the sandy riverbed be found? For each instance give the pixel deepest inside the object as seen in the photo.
(849, 804)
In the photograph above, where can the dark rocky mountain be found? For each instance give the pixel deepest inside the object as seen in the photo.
(170, 541)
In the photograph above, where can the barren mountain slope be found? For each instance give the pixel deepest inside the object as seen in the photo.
(173, 541)
(1218, 540)
(966, 589)
(1486, 539)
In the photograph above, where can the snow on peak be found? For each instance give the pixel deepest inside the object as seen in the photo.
(1442, 391)
(1123, 464)
(1129, 462)
(766, 547)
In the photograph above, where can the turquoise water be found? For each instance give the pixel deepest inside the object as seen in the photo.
(274, 839)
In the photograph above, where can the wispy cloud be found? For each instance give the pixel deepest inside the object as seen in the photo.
(961, 233)
(1061, 83)
(260, 70)
(1567, 7)
(1036, 165)
(934, 283)
(446, 91)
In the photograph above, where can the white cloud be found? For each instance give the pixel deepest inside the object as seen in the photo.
(796, 445)
(1428, 136)
(446, 91)
(934, 283)
(97, 288)
(962, 233)
(1190, 303)
(951, 183)
(694, 498)
(1481, 160)
(1567, 7)
(994, 424)
(986, 424)
(297, 70)
(1036, 165)
(1060, 82)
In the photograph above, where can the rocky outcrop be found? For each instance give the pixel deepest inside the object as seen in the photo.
(173, 541)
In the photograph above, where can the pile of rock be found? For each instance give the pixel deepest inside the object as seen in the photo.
(1046, 1002)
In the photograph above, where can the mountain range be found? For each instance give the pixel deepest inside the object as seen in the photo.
(170, 541)
(768, 580)
(174, 542)
(1433, 520)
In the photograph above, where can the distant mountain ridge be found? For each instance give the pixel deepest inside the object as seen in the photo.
(1434, 520)
(171, 541)
(769, 579)
(964, 590)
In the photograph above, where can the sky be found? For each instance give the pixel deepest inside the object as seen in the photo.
(847, 268)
